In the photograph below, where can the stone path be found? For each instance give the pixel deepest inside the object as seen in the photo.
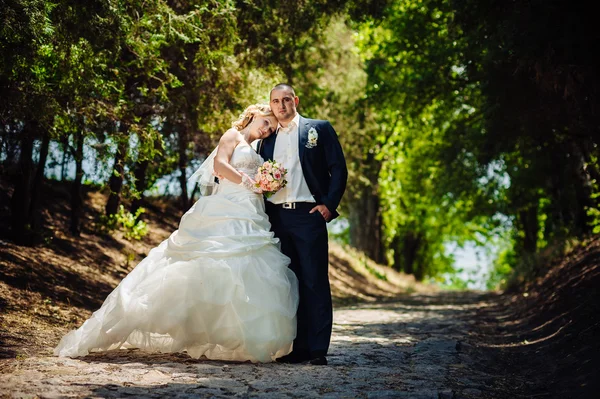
(415, 347)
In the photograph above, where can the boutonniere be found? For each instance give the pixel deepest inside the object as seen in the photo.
(313, 136)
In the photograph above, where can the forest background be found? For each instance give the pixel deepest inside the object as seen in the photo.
(465, 124)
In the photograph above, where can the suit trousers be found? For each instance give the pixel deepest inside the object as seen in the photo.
(304, 239)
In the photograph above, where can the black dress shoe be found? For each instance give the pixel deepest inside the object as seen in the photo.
(319, 361)
(293, 358)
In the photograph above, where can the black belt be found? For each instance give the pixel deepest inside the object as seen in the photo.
(294, 205)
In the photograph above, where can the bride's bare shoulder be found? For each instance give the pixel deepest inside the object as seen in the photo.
(230, 136)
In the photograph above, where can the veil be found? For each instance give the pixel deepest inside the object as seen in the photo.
(204, 175)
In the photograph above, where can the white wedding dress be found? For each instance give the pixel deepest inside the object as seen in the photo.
(217, 287)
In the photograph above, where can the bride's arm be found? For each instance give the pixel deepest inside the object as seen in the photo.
(222, 167)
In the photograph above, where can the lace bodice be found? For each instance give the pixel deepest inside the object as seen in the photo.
(245, 159)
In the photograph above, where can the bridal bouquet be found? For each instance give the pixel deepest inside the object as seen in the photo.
(270, 178)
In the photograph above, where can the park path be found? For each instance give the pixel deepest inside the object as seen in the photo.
(415, 347)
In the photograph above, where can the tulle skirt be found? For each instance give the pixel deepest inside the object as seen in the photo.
(217, 287)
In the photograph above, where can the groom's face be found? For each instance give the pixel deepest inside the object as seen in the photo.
(283, 104)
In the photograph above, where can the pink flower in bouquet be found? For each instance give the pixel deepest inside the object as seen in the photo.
(270, 177)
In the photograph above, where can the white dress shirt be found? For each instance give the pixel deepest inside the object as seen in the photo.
(286, 153)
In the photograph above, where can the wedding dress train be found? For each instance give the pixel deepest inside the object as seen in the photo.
(217, 287)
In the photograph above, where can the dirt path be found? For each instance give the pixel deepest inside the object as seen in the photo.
(416, 347)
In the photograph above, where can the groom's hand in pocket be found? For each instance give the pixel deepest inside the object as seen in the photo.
(322, 209)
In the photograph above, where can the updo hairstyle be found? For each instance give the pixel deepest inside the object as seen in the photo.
(249, 113)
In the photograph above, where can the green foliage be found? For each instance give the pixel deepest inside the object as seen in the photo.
(427, 182)
(461, 120)
(593, 211)
(502, 269)
(472, 126)
(132, 227)
(455, 283)
(594, 215)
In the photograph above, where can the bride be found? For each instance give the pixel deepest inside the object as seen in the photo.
(218, 286)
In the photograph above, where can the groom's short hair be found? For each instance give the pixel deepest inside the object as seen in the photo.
(284, 86)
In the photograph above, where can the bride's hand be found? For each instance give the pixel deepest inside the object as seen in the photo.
(249, 183)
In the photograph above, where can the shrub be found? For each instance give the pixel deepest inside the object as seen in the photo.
(132, 227)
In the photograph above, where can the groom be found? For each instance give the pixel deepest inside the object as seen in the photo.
(310, 151)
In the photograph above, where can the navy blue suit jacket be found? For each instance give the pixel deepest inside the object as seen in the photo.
(323, 166)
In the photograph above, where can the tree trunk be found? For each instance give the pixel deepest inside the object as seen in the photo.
(141, 177)
(418, 265)
(21, 198)
(183, 161)
(583, 191)
(76, 195)
(412, 243)
(398, 258)
(115, 182)
(530, 227)
(65, 158)
(194, 192)
(140, 184)
(406, 249)
(365, 225)
(38, 183)
(10, 149)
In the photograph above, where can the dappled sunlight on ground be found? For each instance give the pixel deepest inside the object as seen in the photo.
(393, 336)
(396, 349)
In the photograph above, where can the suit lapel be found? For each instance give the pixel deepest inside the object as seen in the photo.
(303, 127)
(268, 146)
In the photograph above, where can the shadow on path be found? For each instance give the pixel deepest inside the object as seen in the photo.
(416, 347)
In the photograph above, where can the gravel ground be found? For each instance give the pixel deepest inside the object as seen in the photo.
(415, 347)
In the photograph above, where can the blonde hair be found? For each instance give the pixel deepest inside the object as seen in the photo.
(249, 113)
